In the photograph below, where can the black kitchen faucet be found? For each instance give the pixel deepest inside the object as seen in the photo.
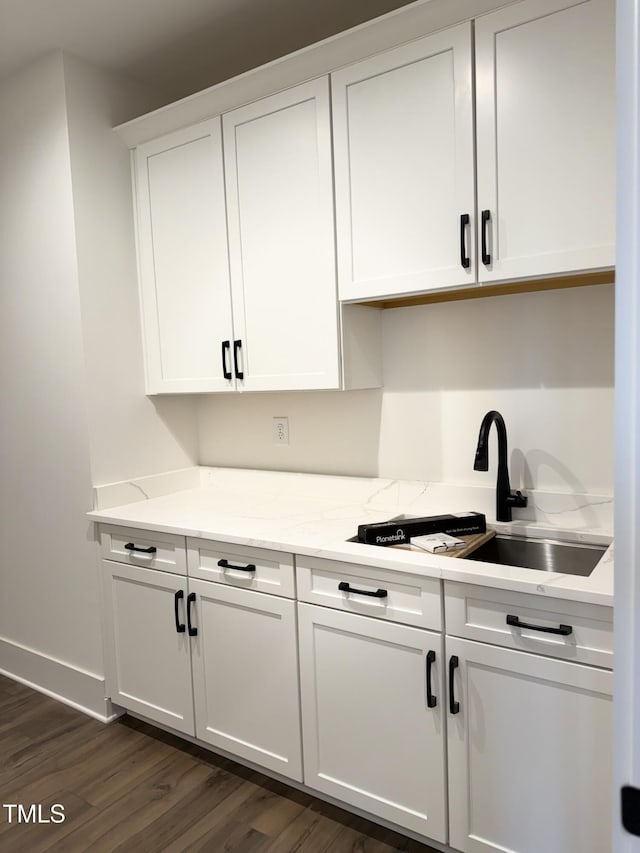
(505, 499)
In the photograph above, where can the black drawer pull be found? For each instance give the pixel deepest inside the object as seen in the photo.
(193, 632)
(486, 219)
(432, 701)
(454, 707)
(226, 346)
(465, 260)
(563, 630)
(179, 625)
(131, 547)
(225, 564)
(237, 346)
(343, 586)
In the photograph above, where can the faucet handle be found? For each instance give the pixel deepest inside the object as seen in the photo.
(518, 500)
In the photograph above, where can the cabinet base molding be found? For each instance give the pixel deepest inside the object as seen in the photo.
(297, 786)
(63, 682)
(481, 290)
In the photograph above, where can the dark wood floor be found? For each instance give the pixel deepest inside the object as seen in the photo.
(130, 787)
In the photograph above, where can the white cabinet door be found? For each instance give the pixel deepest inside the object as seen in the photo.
(148, 658)
(245, 675)
(369, 737)
(183, 258)
(281, 240)
(403, 139)
(529, 753)
(545, 81)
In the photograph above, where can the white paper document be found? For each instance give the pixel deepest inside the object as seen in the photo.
(437, 542)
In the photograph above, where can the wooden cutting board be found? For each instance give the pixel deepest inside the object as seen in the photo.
(472, 542)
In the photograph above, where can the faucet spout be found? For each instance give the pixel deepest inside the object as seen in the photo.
(505, 499)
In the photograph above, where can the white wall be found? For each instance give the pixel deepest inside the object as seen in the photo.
(130, 435)
(545, 360)
(71, 383)
(48, 572)
(330, 432)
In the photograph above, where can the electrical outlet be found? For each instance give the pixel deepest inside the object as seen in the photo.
(281, 431)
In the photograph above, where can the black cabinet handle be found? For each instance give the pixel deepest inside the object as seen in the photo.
(176, 599)
(131, 547)
(193, 632)
(225, 564)
(454, 707)
(486, 219)
(563, 630)
(432, 701)
(237, 346)
(343, 586)
(226, 346)
(465, 260)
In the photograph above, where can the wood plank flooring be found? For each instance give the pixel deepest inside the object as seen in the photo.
(130, 787)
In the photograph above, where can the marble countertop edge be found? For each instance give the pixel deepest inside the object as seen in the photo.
(319, 526)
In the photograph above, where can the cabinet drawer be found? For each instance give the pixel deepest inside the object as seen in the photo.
(409, 599)
(480, 613)
(164, 551)
(237, 565)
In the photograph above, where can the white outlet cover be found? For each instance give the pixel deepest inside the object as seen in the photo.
(281, 431)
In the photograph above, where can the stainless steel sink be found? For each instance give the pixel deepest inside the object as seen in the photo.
(547, 555)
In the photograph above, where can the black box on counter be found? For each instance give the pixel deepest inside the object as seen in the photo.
(400, 531)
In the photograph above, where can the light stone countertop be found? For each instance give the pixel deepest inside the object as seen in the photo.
(314, 515)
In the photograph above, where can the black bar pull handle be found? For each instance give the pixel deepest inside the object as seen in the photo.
(465, 260)
(432, 700)
(454, 707)
(237, 346)
(343, 586)
(131, 547)
(225, 564)
(563, 630)
(486, 254)
(193, 632)
(176, 600)
(226, 346)
(630, 808)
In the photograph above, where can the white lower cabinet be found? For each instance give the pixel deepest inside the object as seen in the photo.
(370, 738)
(148, 658)
(502, 745)
(206, 659)
(529, 752)
(245, 675)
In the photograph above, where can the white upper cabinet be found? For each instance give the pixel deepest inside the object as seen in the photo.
(449, 169)
(403, 141)
(545, 119)
(281, 240)
(183, 257)
(545, 82)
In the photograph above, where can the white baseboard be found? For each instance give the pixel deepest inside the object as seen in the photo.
(64, 682)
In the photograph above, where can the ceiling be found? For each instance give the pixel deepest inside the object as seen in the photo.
(176, 46)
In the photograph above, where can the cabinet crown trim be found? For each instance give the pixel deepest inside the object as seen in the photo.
(364, 40)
